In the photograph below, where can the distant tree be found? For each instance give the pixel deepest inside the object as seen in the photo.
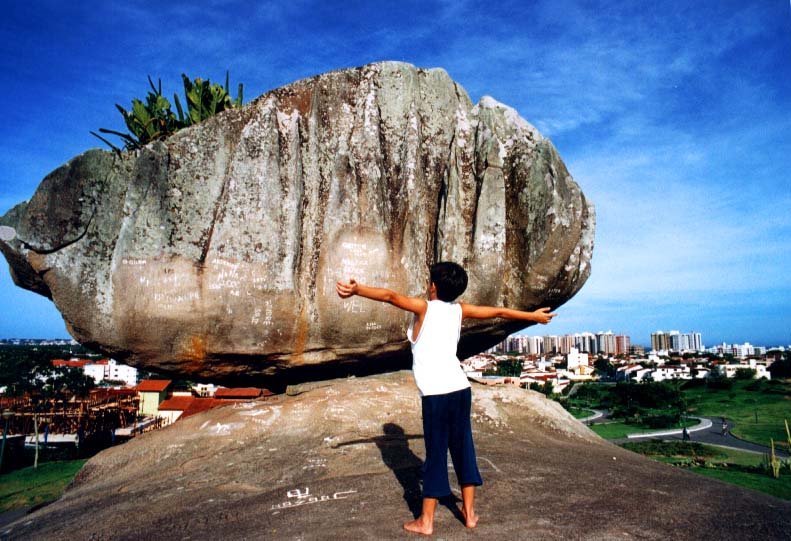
(654, 404)
(543, 388)
(781, 368)
(716, 380)
(23, 368)
(592, 394)
(509, 368)
(648, 395)
(744, 373)
(604, 368)
(71, 382)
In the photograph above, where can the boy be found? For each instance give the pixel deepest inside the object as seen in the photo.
(444, 388)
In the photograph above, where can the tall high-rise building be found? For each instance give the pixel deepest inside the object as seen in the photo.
(676, 341)
(535, 345)
(566, 343)
(586, 342)
(659, 341)
(696, 341)
(551, 344)
(622, 343)
(605, 342)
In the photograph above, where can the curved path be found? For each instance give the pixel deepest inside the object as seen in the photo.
(709, 431)
(597, 414)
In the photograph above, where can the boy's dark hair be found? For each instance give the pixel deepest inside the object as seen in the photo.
(450, 279)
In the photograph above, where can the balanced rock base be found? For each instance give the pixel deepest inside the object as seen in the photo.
(342, 459)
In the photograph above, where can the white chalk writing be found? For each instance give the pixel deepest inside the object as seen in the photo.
(297, 498)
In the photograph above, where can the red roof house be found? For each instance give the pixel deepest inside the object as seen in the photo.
(181, 407)
(153, 385)
(73, 363)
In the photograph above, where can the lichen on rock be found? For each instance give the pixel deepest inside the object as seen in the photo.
(214, 254)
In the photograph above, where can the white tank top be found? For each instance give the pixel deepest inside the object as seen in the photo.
(435, 365)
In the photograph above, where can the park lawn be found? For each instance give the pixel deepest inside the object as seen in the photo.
(741, 405)
(581, 413)
(735, 456)
(28, 486)
(719, 460)
(673, 452)
(618, 429)
(762, 482)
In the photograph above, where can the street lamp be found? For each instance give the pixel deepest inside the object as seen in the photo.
(7, 414)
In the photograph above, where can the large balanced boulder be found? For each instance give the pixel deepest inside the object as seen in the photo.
(341, 460)
(214, 254)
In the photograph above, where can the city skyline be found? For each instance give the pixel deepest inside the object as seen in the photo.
(672, 117)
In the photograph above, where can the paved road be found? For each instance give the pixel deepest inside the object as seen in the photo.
(598, 416)
(711, 435)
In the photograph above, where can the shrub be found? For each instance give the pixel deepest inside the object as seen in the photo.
(662, 419)
(717, 381)
(781, 368)
(744, 373)
(673, 448)
(155, 120)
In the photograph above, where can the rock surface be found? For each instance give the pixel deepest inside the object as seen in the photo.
(214, 254)
(341, 460)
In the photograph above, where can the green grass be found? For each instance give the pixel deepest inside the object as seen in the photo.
(580, 413)
(618, 429)
(742, 458)
(674, 449)
(29, 486)
(771, 402)
(718, 460)
(780, 488)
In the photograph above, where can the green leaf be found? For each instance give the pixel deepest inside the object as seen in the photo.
(180, 110)
(106, 142)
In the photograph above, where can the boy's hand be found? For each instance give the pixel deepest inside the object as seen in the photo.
(543, 315)
(346, 290)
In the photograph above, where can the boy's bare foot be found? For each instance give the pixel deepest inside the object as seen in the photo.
(471, 521)
(418, 526)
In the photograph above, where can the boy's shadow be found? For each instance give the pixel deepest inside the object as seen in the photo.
(406, 466)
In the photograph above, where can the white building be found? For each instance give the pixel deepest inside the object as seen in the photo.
(109, 369)
(205, 389)
(671, 372)
(574, 359)
(760, 369)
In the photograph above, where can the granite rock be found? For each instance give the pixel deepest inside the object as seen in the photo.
(214, 254)
(341, 460)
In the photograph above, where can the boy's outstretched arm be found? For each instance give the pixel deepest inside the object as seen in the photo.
(410, 304)
(542, 315)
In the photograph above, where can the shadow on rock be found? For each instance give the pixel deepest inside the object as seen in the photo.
(406, 465)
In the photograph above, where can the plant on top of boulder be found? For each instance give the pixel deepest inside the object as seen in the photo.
(155, 120)
(205, 100)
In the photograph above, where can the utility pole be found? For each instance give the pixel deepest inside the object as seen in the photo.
(6, 416)
(35, 428)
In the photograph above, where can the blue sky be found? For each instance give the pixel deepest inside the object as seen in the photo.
(673, 116)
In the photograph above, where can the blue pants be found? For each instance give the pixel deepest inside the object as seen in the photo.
(446, 425)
